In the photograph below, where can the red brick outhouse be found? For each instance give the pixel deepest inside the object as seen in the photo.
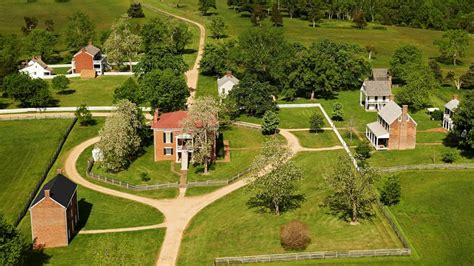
(54, 213)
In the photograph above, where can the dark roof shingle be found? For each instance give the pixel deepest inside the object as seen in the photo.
(61, 189)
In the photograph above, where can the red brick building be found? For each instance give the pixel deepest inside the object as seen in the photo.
(54, 213)
(395, 129)
(171, 143)
(89, 58)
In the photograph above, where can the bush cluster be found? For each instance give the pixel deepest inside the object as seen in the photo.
(295, 235)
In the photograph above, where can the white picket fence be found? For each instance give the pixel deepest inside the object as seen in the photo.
(61, 109)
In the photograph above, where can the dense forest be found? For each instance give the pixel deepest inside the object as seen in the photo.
(433, 14)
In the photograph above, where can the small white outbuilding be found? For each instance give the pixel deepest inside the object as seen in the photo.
(36, 68)
(226, 84)
(97, 155)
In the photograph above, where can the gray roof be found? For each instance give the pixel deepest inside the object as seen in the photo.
(377, 129)
(91, 49)
(390, 112)
(378, 87)
(380, 73)
(61, 190)
(38, 60)
(225, 79)
(451, 105)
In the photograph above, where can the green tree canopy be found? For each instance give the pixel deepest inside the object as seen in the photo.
(270, 123)
(463, 120)
(9, 53)
(172, 35)
(29, 92)
(129, 90)
(253, 97)
(403, 57)
(205, 5)
(453, 44)
(40, 42)
(60, 82)
(217, 27)
(12, 245)
(79, 30)
(160, 59)
(420, 82)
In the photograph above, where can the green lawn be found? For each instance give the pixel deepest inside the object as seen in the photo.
(129, 248)
(326, 138)
(158, 172)
(207, 86)
(423, 154)
(436, 215)
(244, 144)
(290, 117)
(430, 137)
(215, 231)
(26, 147)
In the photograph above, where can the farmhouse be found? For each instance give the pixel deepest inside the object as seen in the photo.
(394, 129)
(226, 84)
(89, 58)
(171, 142)
(376, 92)
(54, 213)
(449, 110)
(36, 68)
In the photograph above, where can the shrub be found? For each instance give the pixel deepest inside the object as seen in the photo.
(144, 177)
(84, 116)
(295, 236)
(60, 83)
(270, 123)
(449, 157)
(391, 191)
(337, 112)
(135, 11)
(437, 115)
(316, 122)
(363, 151)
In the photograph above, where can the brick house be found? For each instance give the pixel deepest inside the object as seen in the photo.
(54, 213)
(394, 129)
(449, 110)
(89, 58)
(170, 142)
(376, 92)
(226, 84)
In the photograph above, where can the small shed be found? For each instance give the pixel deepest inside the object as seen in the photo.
(97, 155)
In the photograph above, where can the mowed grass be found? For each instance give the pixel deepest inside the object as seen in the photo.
(290, 118)
(422, 154)
(25, 150)
(215, 232)
(128, 248)
(207, 86)
(436, 213)
(326, 138)
(158, 172)
(244, 144)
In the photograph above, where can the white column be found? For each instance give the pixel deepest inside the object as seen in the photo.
(184, 160)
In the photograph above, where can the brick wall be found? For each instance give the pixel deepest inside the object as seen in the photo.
(160, 145)
(48, 224)
(402, 135)
(83, 61)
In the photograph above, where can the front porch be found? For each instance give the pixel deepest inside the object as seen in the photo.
(377, 135)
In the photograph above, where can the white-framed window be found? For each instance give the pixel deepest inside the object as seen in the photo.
(168, 151)
(167, 137)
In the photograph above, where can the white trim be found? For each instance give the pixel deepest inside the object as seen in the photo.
(43, 199)
(69, 203)
(31, 223)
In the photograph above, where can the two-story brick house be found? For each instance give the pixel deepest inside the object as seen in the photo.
(376, 92)
(449, 110)
(89, 58)
(171, 142)
(394, 129)
(54, 213)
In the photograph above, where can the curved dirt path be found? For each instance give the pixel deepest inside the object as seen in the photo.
(178, 212)
(192, 75)
(126, 229)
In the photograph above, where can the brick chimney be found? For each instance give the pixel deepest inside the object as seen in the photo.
(455, 97)
(228, 73)
(391, 97)
(59, 171)
(156, 115)
(47, 193)
(405, 112)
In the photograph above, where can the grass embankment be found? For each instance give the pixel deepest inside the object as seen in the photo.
(25, 150)
(97, 210)
(215, 232)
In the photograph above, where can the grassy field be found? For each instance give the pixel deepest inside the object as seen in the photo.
(158, 172)
(326, 138)
(290, 117)
(244, 144)
(25, 150)
(129, 248)
(207, 86)
(215, 232)
(436, 214)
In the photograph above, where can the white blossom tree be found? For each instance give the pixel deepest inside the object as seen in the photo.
(122, 43)
(121, 136)
(202, 123)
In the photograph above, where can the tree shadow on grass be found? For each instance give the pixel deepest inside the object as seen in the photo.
(66, 92)
(4, 105)
(189, 51)
(36, 257)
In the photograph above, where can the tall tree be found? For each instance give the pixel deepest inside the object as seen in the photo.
(79, 30)
(257, 15)
(359, 19)
(352, 191)
(277, 189)
(202, 123)
(270, 123)
(135, 11)
(30, 24)
(215, 60)
(316, 122)
(451, 76)
(12, 245)
(436, 70)
(9, 53)
(160, 59)
(467, 79)
(402, 57)
(60, 83)
(253, 97)
(277, 18)
(453, 44)
(120, 138)
(205, 5)
(157, 33)
(29, 92)
(314, 11)
(123, 43)
(370, 48)
(420, 82)
(40, 42)
(165, 89)
(463, 120)
(217, 27)
(129, 90)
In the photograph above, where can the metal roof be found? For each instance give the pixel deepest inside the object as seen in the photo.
(451, 105)
(378, 130)
(377, 87)
(390, 112)
(225, 79)
(61, 189)
(380, 73)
